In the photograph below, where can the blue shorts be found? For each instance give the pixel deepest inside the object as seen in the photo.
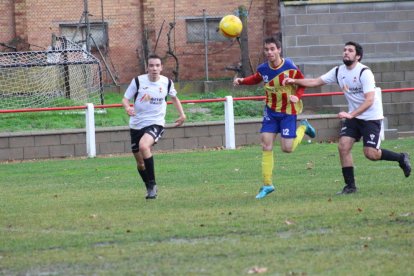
(277, 122)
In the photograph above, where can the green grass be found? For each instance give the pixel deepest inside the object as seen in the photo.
(12, 122)
(89, 216)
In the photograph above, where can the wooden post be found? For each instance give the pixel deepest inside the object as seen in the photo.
(246, 69)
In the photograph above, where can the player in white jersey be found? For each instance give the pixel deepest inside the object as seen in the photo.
(364, 116)
(148, 93)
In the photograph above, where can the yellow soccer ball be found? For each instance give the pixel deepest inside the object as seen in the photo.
(230, 26)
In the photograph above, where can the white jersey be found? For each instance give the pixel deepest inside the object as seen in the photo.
(355, 85)
(150, 105)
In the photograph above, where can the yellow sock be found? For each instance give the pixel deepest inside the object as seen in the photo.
(267, 167)
(300, 132)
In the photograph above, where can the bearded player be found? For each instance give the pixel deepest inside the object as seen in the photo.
(364, 116)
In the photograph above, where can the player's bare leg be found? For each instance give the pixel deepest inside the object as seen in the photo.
(372, 154)
(286, 144)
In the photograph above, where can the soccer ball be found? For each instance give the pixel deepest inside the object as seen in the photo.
(230, 26)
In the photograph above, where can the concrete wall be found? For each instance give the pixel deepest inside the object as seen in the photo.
(72, 143)
(316, 30)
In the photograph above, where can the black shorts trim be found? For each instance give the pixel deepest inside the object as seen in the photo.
(156, 132)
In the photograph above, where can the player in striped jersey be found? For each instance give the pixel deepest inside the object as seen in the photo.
(283, 104)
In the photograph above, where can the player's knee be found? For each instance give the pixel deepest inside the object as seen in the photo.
(343, 147)
(370, 157)
(144, 148)
(372, 154)
(287, 149)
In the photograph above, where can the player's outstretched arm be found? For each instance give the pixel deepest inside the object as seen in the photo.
(304, 82)
(250, 80)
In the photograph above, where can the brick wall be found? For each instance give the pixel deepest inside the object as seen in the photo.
(6, 19)
(20, 17)
(36, 20)
(310, 32)
(131, 23)
(221, 54)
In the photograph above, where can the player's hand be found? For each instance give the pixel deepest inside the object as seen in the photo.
(130, 111)
(344, 115)
(237, 81)
(288, 81)
(293, 98)
(180, 120)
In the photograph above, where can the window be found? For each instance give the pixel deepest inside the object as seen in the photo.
(77, 33)
(195, 29)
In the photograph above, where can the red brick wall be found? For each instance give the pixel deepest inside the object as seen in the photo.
(6, 20)
(131, 22)
(262, 21)
(36, 20)
(125, 36)
(20, 16)
(272, 16)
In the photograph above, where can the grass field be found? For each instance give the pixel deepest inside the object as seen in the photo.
(89, 216)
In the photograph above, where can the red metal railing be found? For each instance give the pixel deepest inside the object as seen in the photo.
(252, 98)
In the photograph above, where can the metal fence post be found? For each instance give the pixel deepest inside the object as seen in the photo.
(205, 43)
(90, 130)
(229, 123)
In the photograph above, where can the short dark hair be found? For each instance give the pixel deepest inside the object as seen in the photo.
(154, 56)
(358, 48)
(272, 39)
